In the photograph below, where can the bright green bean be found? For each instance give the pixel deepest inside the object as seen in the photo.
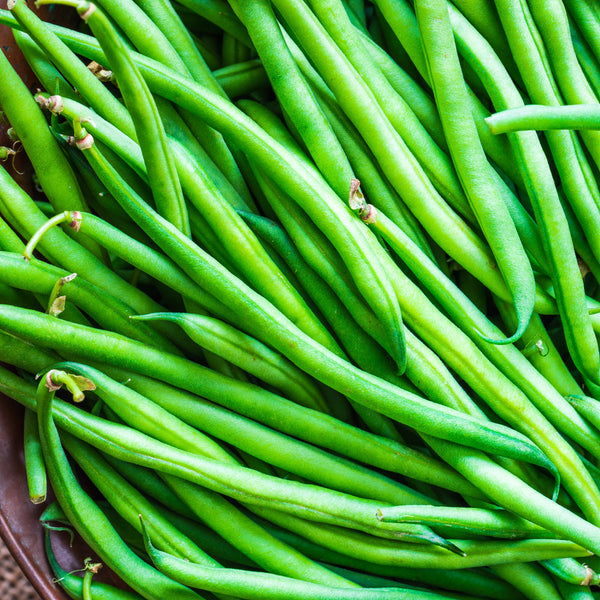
(469, 160)
(114, 349)
(34, 459)
(130, 503)
(541, 118)
(89, 521)
(262, 586)
(388, 552)
(73, 585)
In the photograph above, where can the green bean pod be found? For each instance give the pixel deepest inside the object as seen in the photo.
(361, 446)
(249, 354)
(469, 159)
(162, 173)
(568, 285)
(119, 351)
(160, 420)
(572, 571)
(88, 519)
(73, 584)
(34, 459)
(493, 523)
(539, 117)
(130, 503)
(251, 585)
(392, 553)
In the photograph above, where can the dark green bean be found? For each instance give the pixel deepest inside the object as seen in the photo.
(73, 585)
(34, 459)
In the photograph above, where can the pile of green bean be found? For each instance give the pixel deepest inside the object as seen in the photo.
(307, 308)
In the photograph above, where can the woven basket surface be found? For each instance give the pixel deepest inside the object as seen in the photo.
(13, 584)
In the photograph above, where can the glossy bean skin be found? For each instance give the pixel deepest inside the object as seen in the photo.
(314, 465)
(130, 503)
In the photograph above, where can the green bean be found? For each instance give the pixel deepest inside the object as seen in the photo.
(74, 71)
(293, 93)
(467, 154)
(360, 347)
(43, 69)
(396, 161)
(130, 503)
(73, 585)
(419, 101)
(389, 552)
(493, 523)
(53, 170)
(234, 127)
(483, 15)
(551, 18)
(165, 17)
(542, 118)
(570, 591)
(539, 349)
(249, 354)
(357, 151)
(294, 456)
(40, 277)
(18, 207)
(416, 317)
(530, 579)
(249, 256)
(511, 493)
(9, 240)
(222, 15)
(138, 411)
(150, 40)
(34, 460)
(151, 485)
(87, 518)
(162, 173)
(401, 19)
(243, 483)
(542, 193)
(250, 585)
(241, 79)
(434, 161)
(571, 571)
(369, 449)
(117, 350)
(250, 538)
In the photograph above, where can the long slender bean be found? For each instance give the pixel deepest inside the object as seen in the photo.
(469, 159)
(117, 350)
(87, 518)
